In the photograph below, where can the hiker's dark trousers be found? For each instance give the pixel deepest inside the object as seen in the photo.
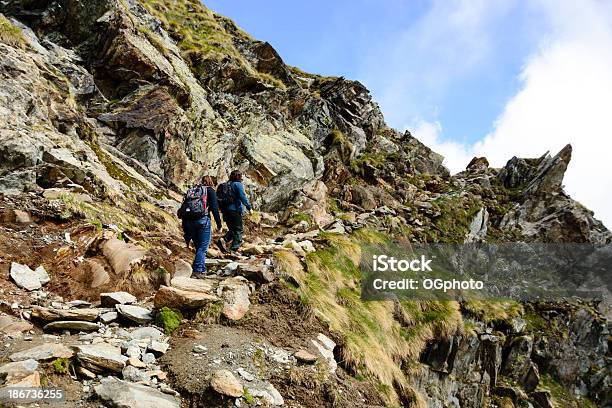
(233, 219)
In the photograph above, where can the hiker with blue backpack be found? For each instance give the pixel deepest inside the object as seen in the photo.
(232, 202)
(195, 211)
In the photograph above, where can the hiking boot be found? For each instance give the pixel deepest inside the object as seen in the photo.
(198, 275)
(221, 244)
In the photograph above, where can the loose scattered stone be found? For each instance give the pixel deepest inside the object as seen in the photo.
(51, 314)
(42, 275)
(71, 325)
(269, 394)
(85, 373)
(133, 374)
(133, 361)
(147, 332)
(26, 278)
(116, 298)
(12, 326)
(326, 346)
(16, 371)
(79, 304)
(256, 273)
(235, 293)
(101, 357)
(135, 313)
(157, 347)
(304, 356)
(225, 383)
(45, 351)
(245, 374)
(198, 348)
(125, 394)
(108, 317)
(148, 358)
(29, 381)
(193, 285)
(279, 355)
(133, 351)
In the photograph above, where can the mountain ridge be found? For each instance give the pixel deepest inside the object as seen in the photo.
(111, 108)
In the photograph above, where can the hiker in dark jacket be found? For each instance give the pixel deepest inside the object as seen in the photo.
(197, 224)
(232, 212)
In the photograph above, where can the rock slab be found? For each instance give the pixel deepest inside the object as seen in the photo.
(120, 393)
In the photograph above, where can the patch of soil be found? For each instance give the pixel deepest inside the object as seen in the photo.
(275, 321)
(277, 314)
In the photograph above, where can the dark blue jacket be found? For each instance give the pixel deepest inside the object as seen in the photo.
(241, 198)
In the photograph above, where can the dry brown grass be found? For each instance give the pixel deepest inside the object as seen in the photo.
(10, 34)
(378, 336)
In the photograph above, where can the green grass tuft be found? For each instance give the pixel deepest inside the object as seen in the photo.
(61, 365)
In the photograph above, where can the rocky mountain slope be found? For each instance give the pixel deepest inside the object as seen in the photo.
(111, 108)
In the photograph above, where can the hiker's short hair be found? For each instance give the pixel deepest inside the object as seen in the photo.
(235, 175)
(208, 181)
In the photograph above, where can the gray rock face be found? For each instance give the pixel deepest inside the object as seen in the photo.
(478, 227)
(517, 363)
(125, 394)
(547, 213)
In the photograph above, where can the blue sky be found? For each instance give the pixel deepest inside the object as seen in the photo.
(493, 78)
(378, 41)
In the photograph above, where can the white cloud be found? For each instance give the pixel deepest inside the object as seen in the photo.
(412, 68)
(566, 97)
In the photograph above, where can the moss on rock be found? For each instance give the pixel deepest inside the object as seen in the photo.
(169, 319)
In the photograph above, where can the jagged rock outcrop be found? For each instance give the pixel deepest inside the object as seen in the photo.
(546, 212)
(140, 106)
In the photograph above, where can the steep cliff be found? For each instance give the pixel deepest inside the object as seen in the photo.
(110, 108)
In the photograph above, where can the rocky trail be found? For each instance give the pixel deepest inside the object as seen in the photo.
(120, 349)
(111, 109)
